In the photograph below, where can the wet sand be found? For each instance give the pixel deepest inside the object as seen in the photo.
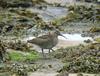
(43, 74)
(67, 43)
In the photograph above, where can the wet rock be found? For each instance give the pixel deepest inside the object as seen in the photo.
(71, 8)
(85, 13)
(26, 13)
(38, 2)
(19, 69)
(3, 3)
(2, 52)
(65, 73)
(97, 40)
(21, 4)
(87, 41)
(5, 74)
(15, 3)
(22, 69)
(50, 66)
(17, 19)
(19, 46)
(2, 24)
(81, 59)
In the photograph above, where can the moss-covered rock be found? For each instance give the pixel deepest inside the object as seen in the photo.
(23, 56)
(94, 29)
(26, 13)
(38, 1)
(97, 40)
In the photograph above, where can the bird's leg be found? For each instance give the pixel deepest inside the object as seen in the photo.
(52, 50)
(49, 50)
(49, 53)
(43, 53)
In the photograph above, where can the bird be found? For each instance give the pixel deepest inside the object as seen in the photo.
(47, 41)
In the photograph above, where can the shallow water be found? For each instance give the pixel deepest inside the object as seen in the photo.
(74, 37)
(60, 1)
(50, 13)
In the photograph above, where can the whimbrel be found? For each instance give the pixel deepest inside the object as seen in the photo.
(46, 41)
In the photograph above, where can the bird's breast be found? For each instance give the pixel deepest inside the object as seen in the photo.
(55, 41)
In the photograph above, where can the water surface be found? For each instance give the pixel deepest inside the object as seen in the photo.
(74, 37)
(50, 13)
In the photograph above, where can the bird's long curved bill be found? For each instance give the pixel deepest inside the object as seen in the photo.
(63, 36)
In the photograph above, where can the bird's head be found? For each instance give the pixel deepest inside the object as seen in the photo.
(59, 33)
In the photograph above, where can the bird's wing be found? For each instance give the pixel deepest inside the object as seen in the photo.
(39, 40)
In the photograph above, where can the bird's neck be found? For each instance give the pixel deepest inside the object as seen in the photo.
(54, 35)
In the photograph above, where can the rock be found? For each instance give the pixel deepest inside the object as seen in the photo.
(22, 4)
(2, 52)
(15, 3)
(65, 73)
(50, 66)
(94, 29)
(87, 41)
(19, 45)
(97, 40)
(81, 58)
(3, 3)
(79, 74)
(5, 74)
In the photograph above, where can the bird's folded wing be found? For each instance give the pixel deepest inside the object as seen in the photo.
(40, 41)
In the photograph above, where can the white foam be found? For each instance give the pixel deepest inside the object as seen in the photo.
(74, 37)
